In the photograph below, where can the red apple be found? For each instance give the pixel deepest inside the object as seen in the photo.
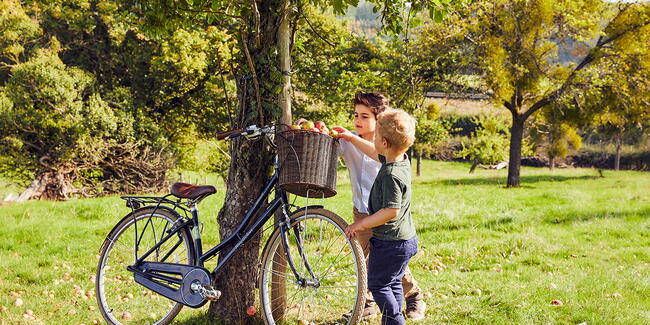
(315, 130)
(320, 125)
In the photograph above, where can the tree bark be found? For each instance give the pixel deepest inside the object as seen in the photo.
(516, 140)
(256, 94)
(51, 184)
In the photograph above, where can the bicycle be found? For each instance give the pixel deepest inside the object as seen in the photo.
(152, 262)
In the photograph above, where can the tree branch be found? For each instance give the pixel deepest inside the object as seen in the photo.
(251, 66)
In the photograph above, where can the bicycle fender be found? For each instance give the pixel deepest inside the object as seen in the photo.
(307, 207)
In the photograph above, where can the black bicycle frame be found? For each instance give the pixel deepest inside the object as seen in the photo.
(241, 235)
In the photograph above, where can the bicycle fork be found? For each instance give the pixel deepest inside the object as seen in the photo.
(285, 226)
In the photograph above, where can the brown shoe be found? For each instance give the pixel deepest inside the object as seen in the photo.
(367, 312)
(415, 307)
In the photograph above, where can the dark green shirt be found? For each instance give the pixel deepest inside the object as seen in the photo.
(392, 189)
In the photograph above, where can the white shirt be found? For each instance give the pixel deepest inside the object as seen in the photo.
(363, 171)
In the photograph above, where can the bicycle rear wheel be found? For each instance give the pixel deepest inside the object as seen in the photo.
(123, 301)
(338, 284)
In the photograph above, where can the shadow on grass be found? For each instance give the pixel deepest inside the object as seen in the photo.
(502, 224)
(204, 319)
(507, 224)
(571, 217)
(503, 180)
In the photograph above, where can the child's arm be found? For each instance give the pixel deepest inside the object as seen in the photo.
(367, 147)
(377, 219)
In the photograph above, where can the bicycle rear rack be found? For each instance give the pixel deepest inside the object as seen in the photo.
(135, 202)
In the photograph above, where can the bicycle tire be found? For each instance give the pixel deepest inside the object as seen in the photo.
(121, 300)
(278, 298)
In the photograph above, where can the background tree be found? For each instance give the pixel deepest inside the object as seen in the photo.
(555, 139)
(488, 143)
(517, 59)
(54, 126)
(165, 93)
(429, 133)
(619, 98)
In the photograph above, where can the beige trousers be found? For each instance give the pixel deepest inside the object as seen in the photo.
(409, 284)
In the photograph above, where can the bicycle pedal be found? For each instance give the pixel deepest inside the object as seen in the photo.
(210, 293)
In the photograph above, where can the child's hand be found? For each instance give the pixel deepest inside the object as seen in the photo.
(352, 230)
(343, 133)
(300, 121)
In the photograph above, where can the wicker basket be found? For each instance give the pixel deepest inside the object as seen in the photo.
(307, 163)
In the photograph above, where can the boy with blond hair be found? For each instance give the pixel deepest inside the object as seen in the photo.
(394, 240)
(363, 171)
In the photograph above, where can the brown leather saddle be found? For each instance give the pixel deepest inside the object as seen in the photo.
(189, 191)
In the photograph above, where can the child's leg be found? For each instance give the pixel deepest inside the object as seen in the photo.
(386, 265)
(363, 237)
(409, 284)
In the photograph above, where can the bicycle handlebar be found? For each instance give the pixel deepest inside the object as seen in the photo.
(226, 134)
(251, 131)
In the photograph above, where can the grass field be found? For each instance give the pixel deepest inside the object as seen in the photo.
(488, 254)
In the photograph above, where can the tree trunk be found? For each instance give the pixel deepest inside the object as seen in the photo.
(473, 167)
(284, 40)
(419, 160)
(250, 160)
(617, 159)
(516, 140)
(51, 184)
(278, 288)
(551, 162)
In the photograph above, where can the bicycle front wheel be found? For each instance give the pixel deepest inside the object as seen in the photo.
(333, 267)
(123, 301)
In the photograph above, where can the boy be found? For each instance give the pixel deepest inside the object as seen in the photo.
(363, 171)
(393, 241)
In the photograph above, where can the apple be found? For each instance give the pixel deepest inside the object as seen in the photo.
(295, 127)
(320, 125)
(325, 130)
(308, 125)
(334, 133)
(315, 130)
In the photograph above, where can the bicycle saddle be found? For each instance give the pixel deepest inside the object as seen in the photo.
(189, 191)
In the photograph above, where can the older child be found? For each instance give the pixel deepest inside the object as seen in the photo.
(363, 171)
(394, 240)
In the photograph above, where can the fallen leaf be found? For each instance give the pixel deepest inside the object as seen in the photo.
(18, 302)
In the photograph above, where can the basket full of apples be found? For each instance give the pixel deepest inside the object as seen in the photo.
(308, 154)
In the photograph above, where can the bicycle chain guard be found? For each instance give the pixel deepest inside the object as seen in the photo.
(153, 275)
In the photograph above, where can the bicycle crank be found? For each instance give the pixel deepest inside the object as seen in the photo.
(192, 289)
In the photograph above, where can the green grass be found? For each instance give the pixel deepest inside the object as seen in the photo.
(565, 235)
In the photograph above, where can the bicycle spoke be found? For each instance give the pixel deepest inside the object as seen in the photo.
(117, 291)
(331, 265)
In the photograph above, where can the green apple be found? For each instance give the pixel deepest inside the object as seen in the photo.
(308, 125)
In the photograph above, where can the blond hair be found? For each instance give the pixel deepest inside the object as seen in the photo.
(397, 127)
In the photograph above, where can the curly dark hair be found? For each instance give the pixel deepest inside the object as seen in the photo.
(376, 101)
